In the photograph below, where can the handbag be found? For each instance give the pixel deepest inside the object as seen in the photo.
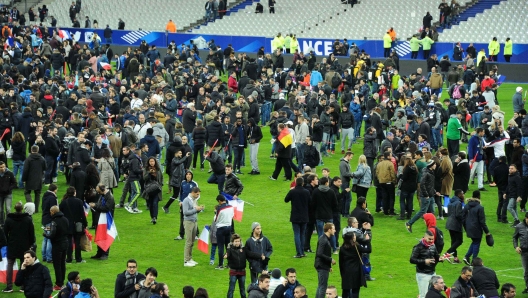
(152, 187)
(86, 243)
(9, 153)
(365, 263)
(354, 188)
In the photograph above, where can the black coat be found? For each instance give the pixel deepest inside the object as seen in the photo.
(214, 132)
(33, 178)
(433, 293)
(324, 203)
(311, 156)
(254, 132)
(323, 255)
(59, 237)
(78, 180)
(485, 281)
(20, 234)
(425, 129)
(52, 146)
(420, 253)
(409, 179)
(475, 219)
(122, 291)
(461, 173)
(19, 151)
(352, 276)
(362, 216)
(300, 201)
(36, 280)
(188, 120)
(7, 183)
(73, 210)
(237, 257)
(49, 199)
(82, 155)
(199, 136)
(456, 215)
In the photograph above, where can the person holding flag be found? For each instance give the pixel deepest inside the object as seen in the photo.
(104, 207)
(283, 153)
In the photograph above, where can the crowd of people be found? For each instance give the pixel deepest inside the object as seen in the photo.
(100, 128)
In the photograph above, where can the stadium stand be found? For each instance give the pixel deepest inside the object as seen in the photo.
(323, 22)
(508, 19)
(183, 13)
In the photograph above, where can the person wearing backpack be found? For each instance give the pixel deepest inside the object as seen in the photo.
(430, 222)
(454, 225)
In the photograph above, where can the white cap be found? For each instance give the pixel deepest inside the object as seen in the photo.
(518, 89)
(289, 123)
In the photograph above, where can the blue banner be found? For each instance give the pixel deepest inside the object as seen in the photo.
(251, 44)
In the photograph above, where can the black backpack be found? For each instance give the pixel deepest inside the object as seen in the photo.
(336, 80)
(439, 240)
(444, 116)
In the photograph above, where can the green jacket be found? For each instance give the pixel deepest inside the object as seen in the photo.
(494, 48)
(387, 41)
(415, 44)
(427, 42)
(508, 47)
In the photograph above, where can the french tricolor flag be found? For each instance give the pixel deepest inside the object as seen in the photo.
(203, 241)
(238, 204)
(64, 34)
(10, 41)
(86, 207)
(3, 266)
(105, 65)
(106, 231)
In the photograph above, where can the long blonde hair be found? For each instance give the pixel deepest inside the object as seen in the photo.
(362, 161)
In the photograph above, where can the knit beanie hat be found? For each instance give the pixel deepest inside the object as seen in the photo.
(254, 226)
(29, 208)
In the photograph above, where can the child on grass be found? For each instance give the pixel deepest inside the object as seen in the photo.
(237, 256)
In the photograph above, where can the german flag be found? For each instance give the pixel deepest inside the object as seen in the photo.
(285, 138)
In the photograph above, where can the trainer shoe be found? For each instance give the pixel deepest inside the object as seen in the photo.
(408, 227)
(136, 210)
(193, 261)
(56, 288)
(525, 291)
(456, 260)
(165, 209)
(466, 261)
(271, 178)
(219, 267)
(189, 264)
(7, 290)
(211, 262)
(119, 206)
(178, 238)
(128, 209)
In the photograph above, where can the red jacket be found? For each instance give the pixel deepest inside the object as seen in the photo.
(232, 83)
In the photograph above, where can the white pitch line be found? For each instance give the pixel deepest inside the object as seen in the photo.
(513, 269)
(509, 276)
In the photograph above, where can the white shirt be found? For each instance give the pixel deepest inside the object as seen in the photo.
(136, 103)
(498, 146)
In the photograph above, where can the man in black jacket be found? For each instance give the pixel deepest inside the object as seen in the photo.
(323, 259)
(300, 201)
(34, 277)
(463, 286)
(425, 257)
(33, 178)
(218, 168)
(58, 234)
(49, 199)
(484, 279)
(500, 177)
(311, 156)
(189, 121)
(73, 210)
(135, 172)
(127, 283)
(283, 153)
(520, 243)
(52, 152)
(438, 286)
(7, 184)
(513, 193)
(233, 186)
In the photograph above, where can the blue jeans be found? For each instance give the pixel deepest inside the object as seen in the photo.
(108, 40)
(217, 179)
(213, 252)
(406, 203)
(51, 167)
(427, 207)
(299, 230)
(475, 120)
(265, 112)
(524, 141)
(322, 283)
(299, 147)
(357, 128)
(116, 169)
(189, 137)
(319, 224)
(18, 165)
(436, 138)
(474, 248)
(241, 285)
(46, 249)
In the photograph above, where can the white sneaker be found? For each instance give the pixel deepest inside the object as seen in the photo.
(54, 179)
(189, 264)
(136, 210)
(127, 208)
(192, 261)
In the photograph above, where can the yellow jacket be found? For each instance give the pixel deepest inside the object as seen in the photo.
(387, 41)
(508, 47)
(480, 54)
(494, 48)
